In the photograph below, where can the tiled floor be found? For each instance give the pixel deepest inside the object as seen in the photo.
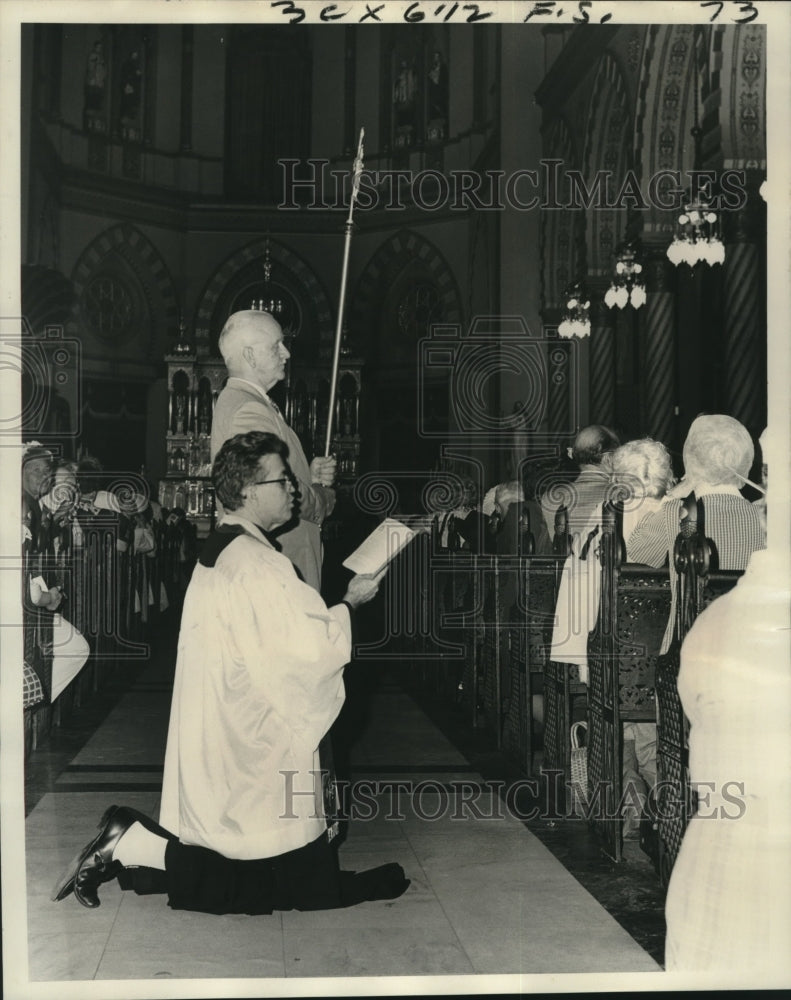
(487, 896)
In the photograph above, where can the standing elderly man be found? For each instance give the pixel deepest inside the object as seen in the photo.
(251, 344)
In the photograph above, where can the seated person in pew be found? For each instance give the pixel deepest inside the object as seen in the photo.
(643, 466)
(516, 517)
(44, 526)
(473, 524)
(60, 501)
(579, 500)
(718, 453)
(645, 469)
(583, 497)
(451, 521)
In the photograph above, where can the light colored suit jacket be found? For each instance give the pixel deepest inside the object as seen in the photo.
(240, 408)
(730, 522)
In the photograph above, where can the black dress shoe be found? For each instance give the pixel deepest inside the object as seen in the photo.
(94, 864)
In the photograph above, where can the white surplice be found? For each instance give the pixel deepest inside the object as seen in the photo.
(259, 681)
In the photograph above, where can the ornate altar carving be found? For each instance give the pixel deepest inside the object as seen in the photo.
(306, 412)
(194, 383)
(193, 386)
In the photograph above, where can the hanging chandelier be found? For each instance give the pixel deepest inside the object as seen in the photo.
(576, 319)
(627, 284)
(697, 236)
(269, 303)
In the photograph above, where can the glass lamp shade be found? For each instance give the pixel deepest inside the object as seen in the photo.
(638, 296)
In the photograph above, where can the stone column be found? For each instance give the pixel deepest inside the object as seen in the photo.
(558, 367)
(658, 356)
(602, 361)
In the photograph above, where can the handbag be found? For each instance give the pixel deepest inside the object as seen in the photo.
(33, 689)
(579, 767)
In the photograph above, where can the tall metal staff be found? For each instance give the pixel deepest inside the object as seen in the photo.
(358, 169)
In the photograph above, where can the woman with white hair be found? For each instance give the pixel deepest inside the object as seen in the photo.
(645, 468)
(718, 453)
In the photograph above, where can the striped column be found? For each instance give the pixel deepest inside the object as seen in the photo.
(602, 363)
(744, 347)
(558, 387)
(659, 350)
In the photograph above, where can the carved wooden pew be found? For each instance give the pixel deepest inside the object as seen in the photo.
(622, 661)
(507, 617)
(629, 681)
(500, 609)
(513, 597)
(530, 603)
(561, 680)
(699, 583)
(93, 575)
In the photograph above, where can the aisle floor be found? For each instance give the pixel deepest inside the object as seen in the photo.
(486, 896)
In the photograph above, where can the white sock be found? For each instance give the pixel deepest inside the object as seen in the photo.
(139, 848)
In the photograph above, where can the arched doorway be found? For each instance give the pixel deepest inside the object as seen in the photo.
(406, 290)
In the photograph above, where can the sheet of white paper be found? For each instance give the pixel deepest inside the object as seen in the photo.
(384, 542)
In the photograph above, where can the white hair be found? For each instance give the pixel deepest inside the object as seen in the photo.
(647, 461)
(719, 450)
(240, 330)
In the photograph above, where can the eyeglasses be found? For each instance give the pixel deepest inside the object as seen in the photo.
(265, 482)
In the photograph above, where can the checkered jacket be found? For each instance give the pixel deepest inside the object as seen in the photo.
(731, 523)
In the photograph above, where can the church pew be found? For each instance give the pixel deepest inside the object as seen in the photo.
(500, 608)
(504, 619)
(698, 586)
(622, 661)
(623, 658)
(529, 595)
(95, 578)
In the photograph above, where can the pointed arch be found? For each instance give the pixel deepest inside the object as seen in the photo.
(738, 62)
(123, 250)
(406, 288)
(389, 261)
(665, 115)
(607, 156)
(207, 320)
(560, 228)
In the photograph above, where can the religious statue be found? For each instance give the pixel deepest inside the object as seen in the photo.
(437, 87)
(181, 414)
(95, 78)
(404, 88)
(204, 407)
(131, 81)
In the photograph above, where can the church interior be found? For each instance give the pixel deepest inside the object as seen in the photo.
(514, 202)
